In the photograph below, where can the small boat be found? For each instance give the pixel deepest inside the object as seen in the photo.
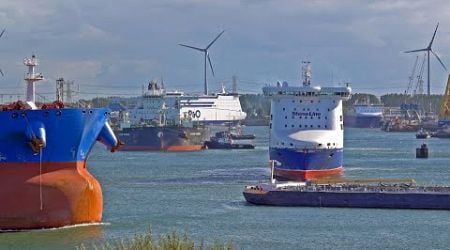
(423, 134)
(223, 140)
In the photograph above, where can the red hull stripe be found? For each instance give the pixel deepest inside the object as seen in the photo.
(307, 174)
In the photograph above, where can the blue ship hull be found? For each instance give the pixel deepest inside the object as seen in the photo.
(166, 138)
(362, 121)
(306, 164)
(69, 134)
(44, 181)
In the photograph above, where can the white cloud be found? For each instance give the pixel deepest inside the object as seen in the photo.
(134, 41)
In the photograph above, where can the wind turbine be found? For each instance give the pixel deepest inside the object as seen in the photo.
(428, 50)
(1, 34)
(206, 53)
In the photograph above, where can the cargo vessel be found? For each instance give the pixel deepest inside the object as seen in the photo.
(355, 194)
(306, 129)
(155, 124)
(44, 181)
(364, 115)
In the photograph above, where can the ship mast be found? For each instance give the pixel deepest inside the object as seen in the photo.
(306, 73)
(31, 77)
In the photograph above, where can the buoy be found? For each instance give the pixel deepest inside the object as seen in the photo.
(422, 152)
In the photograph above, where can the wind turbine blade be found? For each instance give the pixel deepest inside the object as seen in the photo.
(187, 46)
(432, 39)
(1, 72)
(417, 50)
(210, 64)
(3, 31)
(211, 43)
(439, 59)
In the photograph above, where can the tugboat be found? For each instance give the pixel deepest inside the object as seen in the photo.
(423, 134)
(44, 180)
(224, 140)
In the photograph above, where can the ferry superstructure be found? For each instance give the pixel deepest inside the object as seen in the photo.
(217, 109)
(306, 129)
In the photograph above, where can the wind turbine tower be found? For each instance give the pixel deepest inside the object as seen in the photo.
(206, 55)
(428, 50)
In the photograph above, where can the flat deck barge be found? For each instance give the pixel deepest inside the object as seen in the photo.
(353, 194)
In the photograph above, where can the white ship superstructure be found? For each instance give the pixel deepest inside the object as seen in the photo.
(217, 109)
(306, 128)
(158, 107)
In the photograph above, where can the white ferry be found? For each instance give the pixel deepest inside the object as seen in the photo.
(306, 129)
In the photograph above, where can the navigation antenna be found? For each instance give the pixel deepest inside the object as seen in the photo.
(428, 50)
(31, 77)
(206, 53)
(1, 34)
(306, 73)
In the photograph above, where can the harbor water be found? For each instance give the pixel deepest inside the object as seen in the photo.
(200, 194)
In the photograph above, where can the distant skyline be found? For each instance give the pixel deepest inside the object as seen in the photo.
(115, 47)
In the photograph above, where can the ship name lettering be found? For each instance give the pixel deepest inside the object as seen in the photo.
(296, 113)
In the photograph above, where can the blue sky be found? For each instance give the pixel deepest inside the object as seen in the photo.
(114, 47)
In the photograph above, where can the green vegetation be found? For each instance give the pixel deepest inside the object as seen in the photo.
(172, 241)
(255, 105)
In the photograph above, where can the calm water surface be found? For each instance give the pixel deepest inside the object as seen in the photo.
(200, 193)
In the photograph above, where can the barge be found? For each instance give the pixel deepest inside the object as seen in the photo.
(351, 194)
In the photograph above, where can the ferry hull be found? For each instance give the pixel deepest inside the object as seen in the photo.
(170, 139)
(283, 174)
(306, 164)
(50, 195)
(352, 200)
